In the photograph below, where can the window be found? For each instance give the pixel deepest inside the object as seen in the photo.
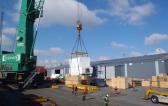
(57, 71)
(87, 70)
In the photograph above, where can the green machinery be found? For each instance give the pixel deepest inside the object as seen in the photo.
(19, 64)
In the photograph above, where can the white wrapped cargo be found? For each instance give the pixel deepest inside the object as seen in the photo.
(79, 65)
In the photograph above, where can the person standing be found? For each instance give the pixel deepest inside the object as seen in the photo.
(76, 90)
(73, 88)
(106, 100)
(84, 93)
(133, 85)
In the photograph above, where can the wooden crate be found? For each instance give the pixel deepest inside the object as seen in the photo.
(146, 83)
(155, 84)
(163, 84)
(109, 83)
(84, 77)
(160, 77)
(123, 83)
(72, 77)
(163, 75)
(120, 82)
(166, 78)
(155, 78)
(72, 80)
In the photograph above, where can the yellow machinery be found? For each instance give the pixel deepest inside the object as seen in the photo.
(30, 100)
(83, 87)
(156, 96)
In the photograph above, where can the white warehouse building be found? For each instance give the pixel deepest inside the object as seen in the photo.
(135, 67)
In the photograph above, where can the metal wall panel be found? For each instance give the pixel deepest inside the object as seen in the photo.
(162, 68)
(110, 72)
(141, 69)
(100, 72)
(166, 66)
(119, 70)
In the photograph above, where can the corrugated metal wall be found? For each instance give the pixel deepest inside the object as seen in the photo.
(137, 70)
(119, 70)
(110, 72)
(162, 68)
(141, 70)
(100, 72)
(166, 65)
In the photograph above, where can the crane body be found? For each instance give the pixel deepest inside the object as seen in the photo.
(22, 61)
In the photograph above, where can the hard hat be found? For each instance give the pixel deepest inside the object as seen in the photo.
(107, 95)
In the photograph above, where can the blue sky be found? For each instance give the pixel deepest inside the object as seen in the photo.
(111, 28)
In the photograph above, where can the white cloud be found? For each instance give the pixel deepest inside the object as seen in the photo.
(15, 13)
(155, 38)
(137, 13)
(6, 41)
(48, 63)
(64, 12)
(119, 7)
(159, 51)
(9, 30)
(49, 52)
(100, 58)
(118, 45)
(135, 53)
(156, 51)
(128, 11)
(56, 51)
(104, 58)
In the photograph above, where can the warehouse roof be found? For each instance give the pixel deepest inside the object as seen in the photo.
(121, 61)
(144, 58)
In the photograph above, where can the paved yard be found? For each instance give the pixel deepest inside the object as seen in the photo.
(64, 97)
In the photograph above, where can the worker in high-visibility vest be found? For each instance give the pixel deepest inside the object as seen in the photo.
(106, 99)
(84, 94)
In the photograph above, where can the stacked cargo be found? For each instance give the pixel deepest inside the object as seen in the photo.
(80, 66)
(75, 79)
(119, 82)
(145, 83)
(163, 80)
(84, 77)
(108, 82)
(157, 81)
(69, 79)
(123, 82)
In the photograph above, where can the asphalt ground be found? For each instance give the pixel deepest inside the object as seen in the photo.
(63, 97)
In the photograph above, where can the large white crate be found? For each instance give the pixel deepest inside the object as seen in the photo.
(79, 65)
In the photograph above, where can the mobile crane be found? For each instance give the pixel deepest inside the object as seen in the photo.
(19, 66)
